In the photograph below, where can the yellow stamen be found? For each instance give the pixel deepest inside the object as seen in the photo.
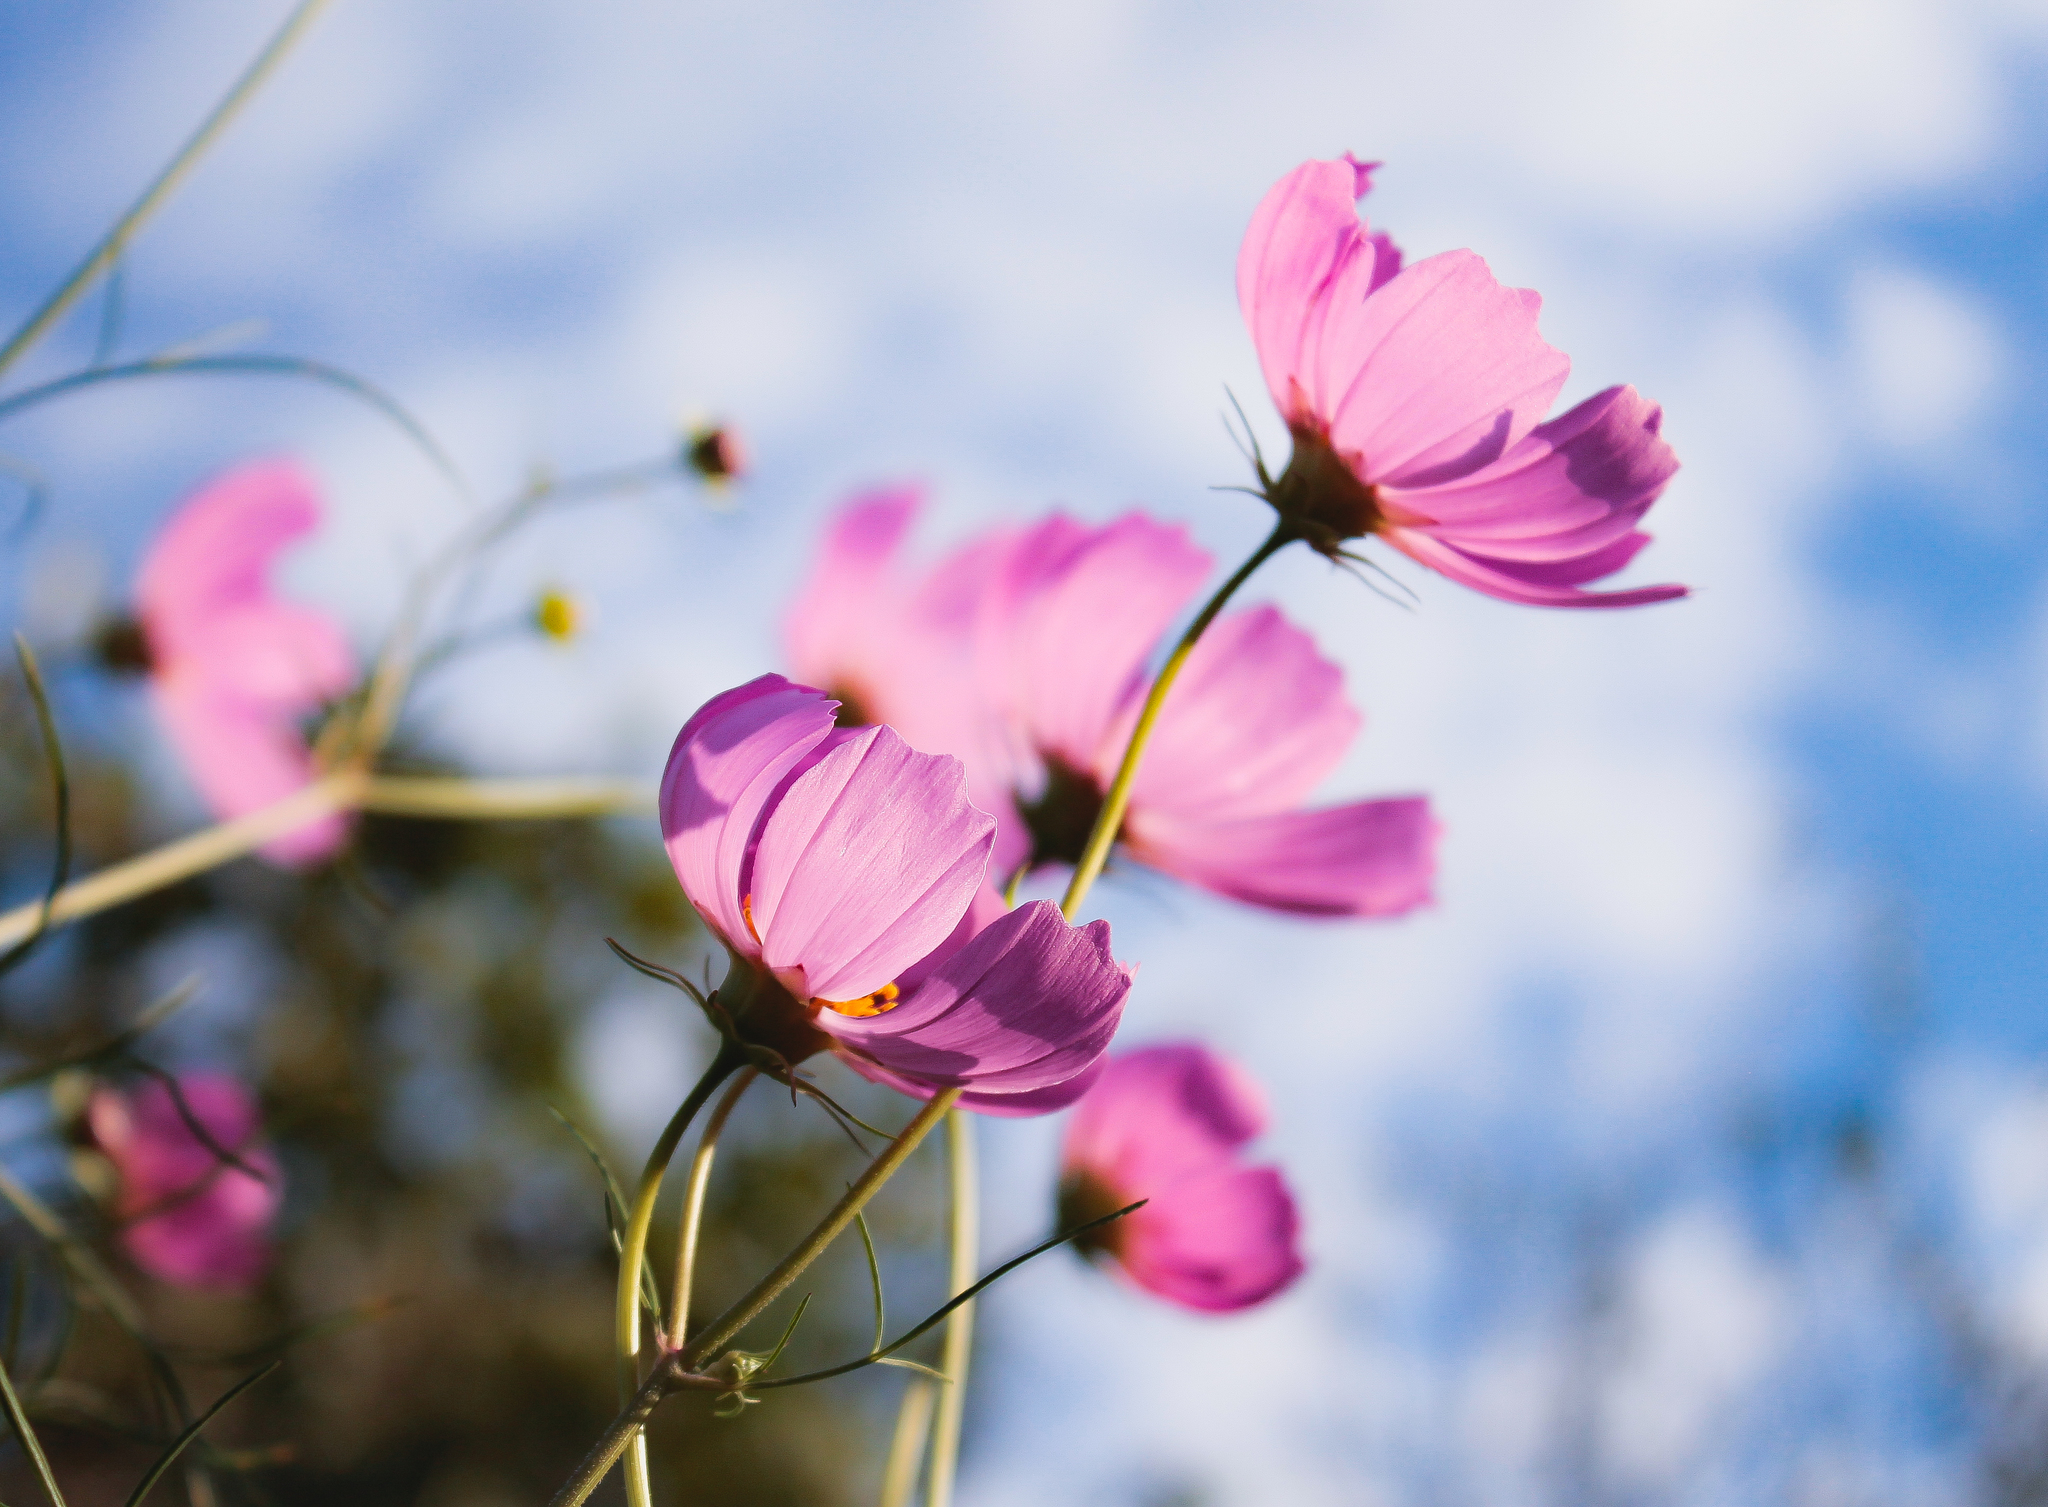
(880, 1002)
(747, 915)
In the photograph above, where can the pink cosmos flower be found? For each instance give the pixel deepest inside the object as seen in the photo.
(188, 1217)
(841, 868)
(1025, 654)
(1165, 1123)
(232, 669)
(1415, 398)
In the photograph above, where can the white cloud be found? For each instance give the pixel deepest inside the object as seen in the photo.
(1922, 356)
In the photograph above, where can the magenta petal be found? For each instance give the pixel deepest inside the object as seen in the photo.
(1219, 1242)
(1027, 1104)
(1514, 581)
(725, 765)
(211, 1228)
(865, 864)
(1029, 1003)
(1372, 858)
(1255, 722)
(1165, 1124)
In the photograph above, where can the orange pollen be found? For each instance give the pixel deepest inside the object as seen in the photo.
(747, 915)
(880, 1002)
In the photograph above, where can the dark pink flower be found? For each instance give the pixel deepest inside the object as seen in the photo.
(232, 669)
(1025, 653)
(841, 868)
(1416, 398)
(187, 1216)
(1166, 1123)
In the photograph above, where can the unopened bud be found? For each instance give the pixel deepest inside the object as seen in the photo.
(715, 453)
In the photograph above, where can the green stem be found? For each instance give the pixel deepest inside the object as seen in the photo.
(110, 247)
(693, 1209)
(1111, 818)
(633, 1250)
(830, 1228)
(959, 1344)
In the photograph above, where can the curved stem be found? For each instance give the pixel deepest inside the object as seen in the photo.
(959, 1344)
(714, 1338)
(633, 1249)
(693, 1209)
(104, 254)
(1111, 818)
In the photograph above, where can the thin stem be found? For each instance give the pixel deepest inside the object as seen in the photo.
(906, 1446)
(1118, 800)
(624, 1430)
(722, 1329)
(513, 800)
(959, 1343)
(344, 790)
(110, 247)
(693, 1208)
(633, 1250)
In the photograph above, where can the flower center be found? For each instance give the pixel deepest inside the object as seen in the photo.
(1085, 1195)
(1322, 496)
(122, 646)
(853, 710)
(1063, 815)
(881, 1002)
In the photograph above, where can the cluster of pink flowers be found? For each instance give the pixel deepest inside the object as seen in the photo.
(843, 835)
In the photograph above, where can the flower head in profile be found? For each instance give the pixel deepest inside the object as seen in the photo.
(1166, 1124)
(1025, 653)
(715, 453)
(232, 669)
(844, 872)
(189, 1214)
(1416, 396)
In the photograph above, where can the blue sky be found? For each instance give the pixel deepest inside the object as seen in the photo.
(992, 247)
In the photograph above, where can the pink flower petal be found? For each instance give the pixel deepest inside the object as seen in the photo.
(1513, 581)
(1027, 1004)
(215, 551)
(837, 630)
(865, 864)
(1071, 620)
(726, 763)
(243, 759)
(1435, 375)
(1221, 1242)
(208, 1228)
(1255, 722)
(1372, 858)
(1165, 1124)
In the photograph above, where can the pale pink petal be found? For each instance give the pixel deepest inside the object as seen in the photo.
(1255, 722)
(270, 655)
(1371, 858)
(835, 630)
(1218, 1242)
(1439, 372)
(1017, 1106)
(1303, 235)
(1516, 581)
(1072, 619)
(1027, 1004)
(242, 758)
(215, 551)
(192, 1219)
(865, 864)
(726, 764)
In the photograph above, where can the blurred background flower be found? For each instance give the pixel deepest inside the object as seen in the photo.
(1692, 1149)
